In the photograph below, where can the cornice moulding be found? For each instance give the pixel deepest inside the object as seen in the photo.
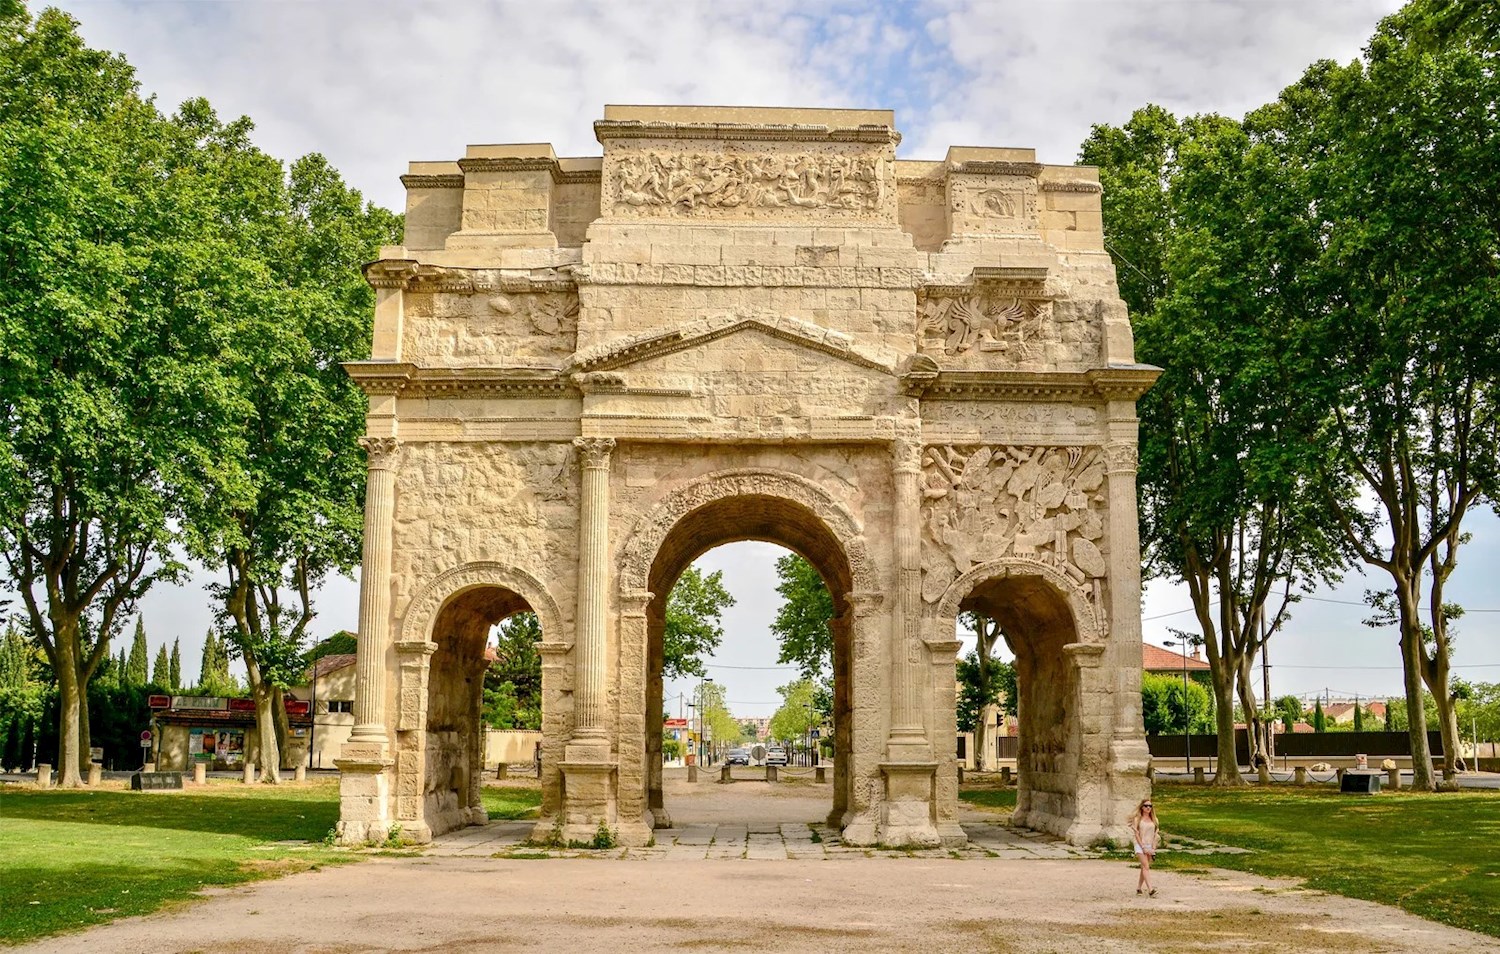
(607, 129)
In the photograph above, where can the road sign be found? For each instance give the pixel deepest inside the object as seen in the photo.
(145, 743)
(146, 735)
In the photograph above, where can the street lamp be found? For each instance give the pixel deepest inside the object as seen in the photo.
(1187, 718)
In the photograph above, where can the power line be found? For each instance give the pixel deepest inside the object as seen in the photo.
(1315, 599)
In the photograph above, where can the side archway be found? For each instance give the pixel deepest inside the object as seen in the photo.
(440, 738)
(1057, 638)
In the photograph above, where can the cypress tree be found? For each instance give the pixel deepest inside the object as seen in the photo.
(206, 662)
(161, 676)
(1359, 718)
(135, 669)
(1320, 721)
(174, 666)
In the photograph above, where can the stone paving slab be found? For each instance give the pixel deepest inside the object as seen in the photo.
(794, 841)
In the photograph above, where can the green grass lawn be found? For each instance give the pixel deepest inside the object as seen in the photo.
(1437, 856)
(75, 858)
(512, 803)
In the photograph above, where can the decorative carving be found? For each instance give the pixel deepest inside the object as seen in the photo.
(421, 612)
(1015, 326)
(547, 314)
(1041, 504)
(690, 183)
(1120, 457)
(593, 452)
(381, 452)
(650, 531)
(993, 203)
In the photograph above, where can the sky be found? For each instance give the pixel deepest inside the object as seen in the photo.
(373, 85)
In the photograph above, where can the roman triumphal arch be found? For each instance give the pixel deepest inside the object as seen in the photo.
(748, 324)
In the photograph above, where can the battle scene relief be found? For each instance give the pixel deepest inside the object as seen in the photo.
(1042, 504)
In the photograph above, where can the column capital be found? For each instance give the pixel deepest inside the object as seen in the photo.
(381, 452)
(1120, 457)
(906, 454)
(593, 452)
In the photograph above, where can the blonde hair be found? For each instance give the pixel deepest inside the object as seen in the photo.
(1140, 810)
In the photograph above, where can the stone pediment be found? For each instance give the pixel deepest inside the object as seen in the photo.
(645, 346)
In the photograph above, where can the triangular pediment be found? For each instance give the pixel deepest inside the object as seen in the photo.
(646, 346)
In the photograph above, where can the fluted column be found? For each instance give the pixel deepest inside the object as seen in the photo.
(593, 580)
(906, 649)
(375, 590)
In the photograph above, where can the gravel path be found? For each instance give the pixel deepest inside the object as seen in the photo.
(688, 897)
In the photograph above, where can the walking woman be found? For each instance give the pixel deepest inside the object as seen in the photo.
(1145, 835)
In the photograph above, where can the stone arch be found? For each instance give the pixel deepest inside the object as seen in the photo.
(440, 741)
(422, 611)
(1086, 619)
(639, 551)
(1058, 639)
(728, 505)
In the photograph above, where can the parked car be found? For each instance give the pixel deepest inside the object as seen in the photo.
(739, 757)
(776, 756)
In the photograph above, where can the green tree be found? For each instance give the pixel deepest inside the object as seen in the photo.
(161, 670)
(1359, 718)
(1228, 500)
(693, 629)
(1394, 156)
(802, 621)
(513, 682)
(342, 642)
(136, 672)
(1165, 710)
(112, 401)
(174, 667)
(799, 712)
(1320, 720)
(23, 697)
(289, 247)
(1289, 710)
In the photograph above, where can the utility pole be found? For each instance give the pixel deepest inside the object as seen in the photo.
(1265, 679)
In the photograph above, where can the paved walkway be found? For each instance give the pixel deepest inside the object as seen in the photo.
(783, 841)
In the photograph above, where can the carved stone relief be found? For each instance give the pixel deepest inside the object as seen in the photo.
(492, 327)
(688, 183)
(1044, 504)
(1005, 328)
(1005, 204)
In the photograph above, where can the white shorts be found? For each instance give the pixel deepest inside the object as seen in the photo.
(1141, 851)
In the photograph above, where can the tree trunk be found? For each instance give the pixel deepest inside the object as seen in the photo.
(1228, 773)
(85, 736)
(981, 763)
(1411, 671)
(1447, 714)
(67, 708)
(283, 727)
(269, 757)
(1244, 681)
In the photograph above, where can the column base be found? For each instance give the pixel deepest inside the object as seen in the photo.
(364, 798)
(590, 798)
(908, 812)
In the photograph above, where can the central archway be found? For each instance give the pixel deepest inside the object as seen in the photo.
(728, 507)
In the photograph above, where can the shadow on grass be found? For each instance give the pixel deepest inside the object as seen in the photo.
(259, 814)
(997, 799)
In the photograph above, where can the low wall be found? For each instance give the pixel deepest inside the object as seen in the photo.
(510, 746)
(1318, 746)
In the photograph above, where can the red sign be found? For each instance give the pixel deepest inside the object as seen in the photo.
(297, 707)
(241, 705)
(676, 723)
(146, 735)
(159, 702)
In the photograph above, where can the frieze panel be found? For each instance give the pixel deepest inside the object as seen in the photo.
(993, 204)
(750, 184)
(479, 328)
(1042, 504)
(970, 422)
(1005, 327)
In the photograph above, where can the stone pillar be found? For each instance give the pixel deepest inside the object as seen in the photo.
(1090, 742)
(375, 592)
(200, 773)
(413, 670)
(908, 815)
(1120, 612)
(593, 580)
(96, 774)
(364, 760)
(908, 740)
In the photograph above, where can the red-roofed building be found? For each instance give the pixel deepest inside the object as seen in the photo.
(1164, 661)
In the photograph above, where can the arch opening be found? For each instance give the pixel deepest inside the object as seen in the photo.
(768, 519)
(1037, 623)
(454, 729)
